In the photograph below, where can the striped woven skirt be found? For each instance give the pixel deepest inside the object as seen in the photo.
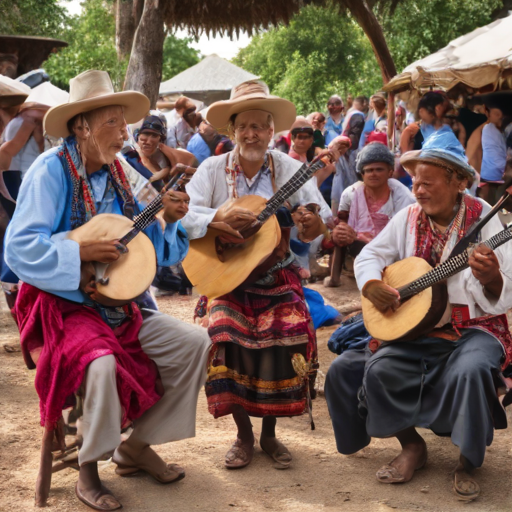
(255, 331)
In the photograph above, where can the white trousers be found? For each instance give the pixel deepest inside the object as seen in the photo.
(180, 351)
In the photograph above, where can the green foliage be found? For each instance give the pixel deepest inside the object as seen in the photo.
(318, 54)
(91, 38)
(178, 56)
(32, 18)
(418, 28)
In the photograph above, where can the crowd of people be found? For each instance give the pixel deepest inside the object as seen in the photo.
(257, 357)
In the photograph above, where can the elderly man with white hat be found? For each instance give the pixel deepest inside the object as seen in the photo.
(447, 379)
(260, 325)
(131, 364)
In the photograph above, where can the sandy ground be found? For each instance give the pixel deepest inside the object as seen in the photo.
(319, 480)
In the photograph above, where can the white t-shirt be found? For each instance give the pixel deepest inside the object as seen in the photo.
(28, 153)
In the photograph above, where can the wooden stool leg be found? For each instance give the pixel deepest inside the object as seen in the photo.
(44, 478)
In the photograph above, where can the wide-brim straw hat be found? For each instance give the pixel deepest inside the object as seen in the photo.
(91, 90)
(441, 149)
(12, 92)
(252, 95)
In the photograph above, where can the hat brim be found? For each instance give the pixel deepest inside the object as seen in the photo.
(283, 111)
(412, 159)
(135, 106)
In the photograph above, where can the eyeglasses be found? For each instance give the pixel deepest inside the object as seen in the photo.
(334, 104)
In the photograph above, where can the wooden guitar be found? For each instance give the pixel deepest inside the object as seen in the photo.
(215, 273)
(132, 273)
(422, 301)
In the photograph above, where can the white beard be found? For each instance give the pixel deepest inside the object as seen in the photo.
(252, 154)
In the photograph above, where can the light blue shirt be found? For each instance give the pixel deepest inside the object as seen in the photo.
(198, 147)
(259, 185)
(332, 129)
(494, 153)
(36, 245)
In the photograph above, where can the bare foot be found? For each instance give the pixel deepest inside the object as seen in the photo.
(401, 469)
(92, 492)
(277, 450)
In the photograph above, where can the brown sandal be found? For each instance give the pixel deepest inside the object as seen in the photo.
(281, 456)
(464, 486)
(389, 474)
(237, 452)
(98, 505)
(173, 473)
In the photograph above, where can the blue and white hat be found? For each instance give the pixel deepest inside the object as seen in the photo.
(442, 149)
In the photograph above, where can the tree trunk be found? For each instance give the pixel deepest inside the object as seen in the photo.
(144, 71)
(128, 14)
(369, 23)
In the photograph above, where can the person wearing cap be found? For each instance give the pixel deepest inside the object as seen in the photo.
(255, 329)
(367, 206)
(446, 380)
(183, 124)
(133, 365)
(152, 158)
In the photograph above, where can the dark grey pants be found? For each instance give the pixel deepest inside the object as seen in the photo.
(446, 386)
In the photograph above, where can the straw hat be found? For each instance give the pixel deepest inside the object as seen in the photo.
(12, 92)
(45, 96)
(441, 149)
(90, 90)
(252, 95)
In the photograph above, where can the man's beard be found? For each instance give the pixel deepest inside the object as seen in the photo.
(252, 154)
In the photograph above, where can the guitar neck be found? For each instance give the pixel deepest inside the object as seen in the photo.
(289, 188)
(145, 218)
(450, 267)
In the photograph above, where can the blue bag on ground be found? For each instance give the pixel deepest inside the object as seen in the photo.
(350, 335)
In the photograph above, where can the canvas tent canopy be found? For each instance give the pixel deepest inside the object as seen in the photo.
(478, 62)
(208, 81)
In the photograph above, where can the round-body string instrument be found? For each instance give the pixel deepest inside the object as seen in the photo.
(215, 268)
(424, 300)
(121, 281)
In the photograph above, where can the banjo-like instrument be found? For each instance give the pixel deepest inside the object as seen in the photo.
(215, 269)
(132, 273)
(422, 301)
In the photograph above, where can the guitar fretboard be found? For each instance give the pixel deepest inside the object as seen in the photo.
(289, 188)
(450, 267)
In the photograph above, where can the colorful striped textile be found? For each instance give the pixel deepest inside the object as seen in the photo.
(255, 331)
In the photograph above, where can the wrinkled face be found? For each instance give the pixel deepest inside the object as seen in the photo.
(148, 142)
(302, 142)
(334, 106)
(496, 117)
(435, 192)
(253, 134)
(376, 175)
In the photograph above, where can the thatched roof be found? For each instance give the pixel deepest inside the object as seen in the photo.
(229, 17)
(31, 51)
(211, 74)
(480, 61)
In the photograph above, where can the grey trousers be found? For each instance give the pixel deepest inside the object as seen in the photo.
(180, 351)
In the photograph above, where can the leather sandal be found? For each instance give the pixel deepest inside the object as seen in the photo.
(106, 501)
(465, 487)
(281, 456)
(389, 474)
(173, 473)
(238, 452)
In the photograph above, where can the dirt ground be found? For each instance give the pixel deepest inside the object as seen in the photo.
(320, 479)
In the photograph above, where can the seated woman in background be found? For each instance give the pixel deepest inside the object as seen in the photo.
(151, 157)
